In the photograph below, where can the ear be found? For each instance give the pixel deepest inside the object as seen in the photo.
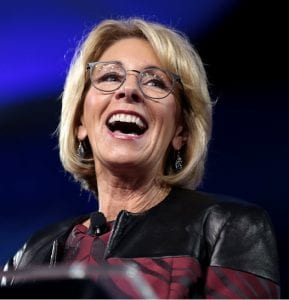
(179, 138)
(81, 130)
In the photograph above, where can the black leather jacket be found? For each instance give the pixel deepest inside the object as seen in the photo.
(214, 230)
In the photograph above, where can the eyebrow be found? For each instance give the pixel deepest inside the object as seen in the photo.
(143, 68)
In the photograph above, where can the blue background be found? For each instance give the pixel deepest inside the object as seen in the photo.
(243, 45)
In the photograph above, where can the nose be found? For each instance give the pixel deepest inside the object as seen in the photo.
(130, 89)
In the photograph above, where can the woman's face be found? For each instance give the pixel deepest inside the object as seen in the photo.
(115, 147)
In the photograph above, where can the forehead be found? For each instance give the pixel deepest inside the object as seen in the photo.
(132, 53)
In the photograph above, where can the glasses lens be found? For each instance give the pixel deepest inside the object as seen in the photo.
(156, 83)
(107, 77)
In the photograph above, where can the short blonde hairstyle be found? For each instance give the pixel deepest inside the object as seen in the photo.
(177, 55)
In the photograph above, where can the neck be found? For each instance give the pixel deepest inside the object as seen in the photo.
(116, 193)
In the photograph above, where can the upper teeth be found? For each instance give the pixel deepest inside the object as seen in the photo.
(126, 118)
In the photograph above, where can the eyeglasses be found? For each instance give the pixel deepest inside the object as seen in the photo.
(153, 82)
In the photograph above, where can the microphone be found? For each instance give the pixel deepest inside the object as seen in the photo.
(98, 225)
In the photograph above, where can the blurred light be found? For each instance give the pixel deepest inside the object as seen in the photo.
(38, 38)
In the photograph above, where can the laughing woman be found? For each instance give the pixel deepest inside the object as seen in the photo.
(134, 130)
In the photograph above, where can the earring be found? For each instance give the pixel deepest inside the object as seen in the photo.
(178, 162)
(81, 150)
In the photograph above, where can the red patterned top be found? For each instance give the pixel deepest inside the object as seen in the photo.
(169, 277)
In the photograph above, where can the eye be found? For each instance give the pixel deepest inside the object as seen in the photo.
(153, 80)
(109, 77)
(157, 83)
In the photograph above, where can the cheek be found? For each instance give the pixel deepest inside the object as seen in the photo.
(177, 109)
(93, 106)
(89, 100)
(171, 113)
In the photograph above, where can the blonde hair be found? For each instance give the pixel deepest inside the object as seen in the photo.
(177, 55)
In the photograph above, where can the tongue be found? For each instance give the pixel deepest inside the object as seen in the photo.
(126, 128)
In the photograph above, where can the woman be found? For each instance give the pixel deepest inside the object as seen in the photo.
(135, 124)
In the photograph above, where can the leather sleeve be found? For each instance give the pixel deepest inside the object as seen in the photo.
(12, 265)
(39, 249)
(241, 237)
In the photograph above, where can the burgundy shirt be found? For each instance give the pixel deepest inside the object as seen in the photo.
(169, 277)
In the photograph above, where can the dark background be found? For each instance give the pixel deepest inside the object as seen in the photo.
(243, 45)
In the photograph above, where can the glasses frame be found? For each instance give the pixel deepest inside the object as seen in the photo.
(175, 78)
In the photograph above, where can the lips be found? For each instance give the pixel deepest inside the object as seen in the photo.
(127, 123)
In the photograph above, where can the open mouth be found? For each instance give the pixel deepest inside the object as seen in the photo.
(127, 124)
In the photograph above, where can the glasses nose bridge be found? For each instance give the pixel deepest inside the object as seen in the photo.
(136, 73)
(133, 72)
